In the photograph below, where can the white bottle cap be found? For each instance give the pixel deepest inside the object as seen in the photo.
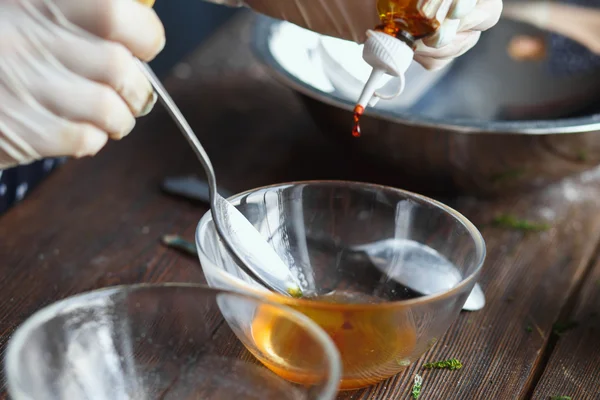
(386, 55)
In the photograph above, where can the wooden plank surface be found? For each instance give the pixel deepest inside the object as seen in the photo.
(573, 368)
(528, 279)
(96, 222)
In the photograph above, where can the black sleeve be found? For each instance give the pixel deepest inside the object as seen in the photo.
(17, 182)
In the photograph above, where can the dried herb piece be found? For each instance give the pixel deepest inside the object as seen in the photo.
(511, 174)
(295, 292)
(178, 243)
(416, 390)
(450, 364)
(529, 329)
(560, 398)
(560, 328)
(511, 222)
(582, 156)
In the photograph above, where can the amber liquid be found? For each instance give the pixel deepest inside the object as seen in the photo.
(374, 344)
(358, 112)
(407, 20)
(417, 18)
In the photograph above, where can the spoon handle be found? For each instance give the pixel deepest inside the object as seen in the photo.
(183, 125)
(223, 211)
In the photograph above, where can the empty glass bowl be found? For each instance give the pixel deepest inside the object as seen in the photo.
(165, 342)
(367, 256)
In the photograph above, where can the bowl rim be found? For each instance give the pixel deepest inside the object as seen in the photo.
(241, 285)
(260, 47)
(19, 338)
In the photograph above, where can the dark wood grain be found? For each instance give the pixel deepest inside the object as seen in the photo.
(573, 369)
(527, 278)
(96, 222)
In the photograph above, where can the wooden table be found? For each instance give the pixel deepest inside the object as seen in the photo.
(96, 222)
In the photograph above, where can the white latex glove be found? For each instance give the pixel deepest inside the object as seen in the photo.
(68, 76)
(350, 19)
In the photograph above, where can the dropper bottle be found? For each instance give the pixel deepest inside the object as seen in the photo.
(390, 47)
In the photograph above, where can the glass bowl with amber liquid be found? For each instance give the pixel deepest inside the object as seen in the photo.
(359, 251)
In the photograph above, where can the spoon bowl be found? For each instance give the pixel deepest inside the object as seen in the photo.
(404, 260)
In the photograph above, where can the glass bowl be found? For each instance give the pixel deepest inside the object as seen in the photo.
(165, 342)
(359, 250)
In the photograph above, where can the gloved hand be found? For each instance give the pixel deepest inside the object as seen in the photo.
(350, 19)
(68, 76)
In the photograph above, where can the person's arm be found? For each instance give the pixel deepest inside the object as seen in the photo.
(17, 182)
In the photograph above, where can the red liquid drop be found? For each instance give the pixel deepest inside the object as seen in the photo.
(358, 112)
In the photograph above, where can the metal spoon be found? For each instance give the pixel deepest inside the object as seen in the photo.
(430, 274)
(190, 187)
(245, 244)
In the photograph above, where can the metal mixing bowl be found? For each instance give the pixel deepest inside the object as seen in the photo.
(491, 125)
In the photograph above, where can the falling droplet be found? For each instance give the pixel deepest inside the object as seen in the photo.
(358, 112)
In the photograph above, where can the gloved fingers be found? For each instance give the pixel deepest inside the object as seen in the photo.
(478, 15)
(78, 99)
(460, 45)
(78, 140)
(108, 63)
(486, 14)
(461, 8)
(122, 72)
(71, 139)
(6, 161)
(432, 64)
(433, 59)
(26, 137)
(128, 22)
(445, 34)
(450, 27)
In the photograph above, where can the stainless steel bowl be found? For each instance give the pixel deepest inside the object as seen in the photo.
(491, 125)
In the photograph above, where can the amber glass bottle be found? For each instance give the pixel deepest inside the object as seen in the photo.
(412, 19)
(408, 21)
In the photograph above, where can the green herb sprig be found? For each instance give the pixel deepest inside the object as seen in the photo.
(416, 389)
(450, 364)
(295, 292)
(560, 328)
(178, 243)
(508, 175)
(560, 398)
(582, 156)
(512, 222)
